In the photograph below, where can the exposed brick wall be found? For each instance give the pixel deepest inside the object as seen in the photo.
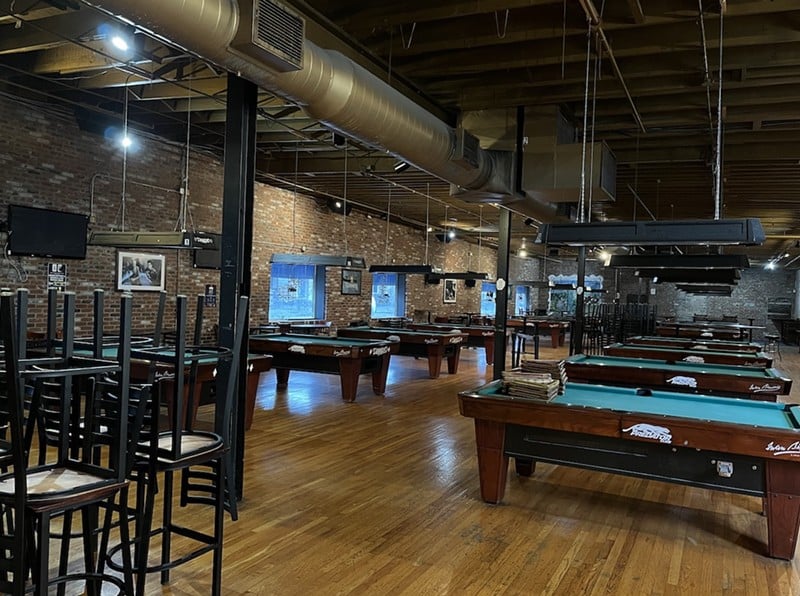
(748, 299)
(47, 161)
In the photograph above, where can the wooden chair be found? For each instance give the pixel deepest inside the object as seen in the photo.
(31, 495)
(202, 457)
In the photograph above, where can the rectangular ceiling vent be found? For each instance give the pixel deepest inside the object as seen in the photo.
(271, 32)
(466, 149)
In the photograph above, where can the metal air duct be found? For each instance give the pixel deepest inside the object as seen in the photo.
(337, 92)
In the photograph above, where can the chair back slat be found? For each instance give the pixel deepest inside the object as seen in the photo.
(97, 327)
(22, 322)
(14, 453)
(157, 332)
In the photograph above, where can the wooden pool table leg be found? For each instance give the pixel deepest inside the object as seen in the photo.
(554, 337)
(490, 438)
(435, 353)
(488, 344)
(379, 375)
(782, 508)
(453, 359)
(282, 375)
(349, 370)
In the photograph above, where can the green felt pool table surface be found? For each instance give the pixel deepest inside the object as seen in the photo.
(110, 352)
(665, 403)
(677, 367)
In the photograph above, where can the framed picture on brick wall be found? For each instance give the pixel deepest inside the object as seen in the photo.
(351, 282)
(137, 271)
(449, 295)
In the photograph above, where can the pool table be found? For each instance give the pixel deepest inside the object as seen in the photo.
(719, 345)
(478, 336)
(741, 446)
(347, 357)
(717, 379)
(432, 345)
(706, 329)
(556, 328)
(206, 373)
(758, 359)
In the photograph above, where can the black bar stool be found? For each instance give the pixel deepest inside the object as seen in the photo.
(772, 344)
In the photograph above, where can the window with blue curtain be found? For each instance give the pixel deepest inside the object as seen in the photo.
(521, 301)
(388, 295)
(296, 292)
(488, 298)
(561, 299)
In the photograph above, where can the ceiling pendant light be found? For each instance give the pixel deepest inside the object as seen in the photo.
(523, 250)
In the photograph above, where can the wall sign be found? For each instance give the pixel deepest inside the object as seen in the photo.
(210, 297)
(57, 276)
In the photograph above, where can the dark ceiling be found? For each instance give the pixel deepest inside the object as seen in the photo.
(652, 96)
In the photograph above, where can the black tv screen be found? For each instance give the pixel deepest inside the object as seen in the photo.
(209, 258)
(46, 233)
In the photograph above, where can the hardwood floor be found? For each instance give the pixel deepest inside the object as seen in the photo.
(381, 496)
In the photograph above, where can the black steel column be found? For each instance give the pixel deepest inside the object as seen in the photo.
(579, 294)
(237, 241)
(501, 297)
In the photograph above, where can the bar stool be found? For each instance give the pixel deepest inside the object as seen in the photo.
(772, 344)
(203, 458)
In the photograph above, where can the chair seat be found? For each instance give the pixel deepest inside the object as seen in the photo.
(55, 486)
(194, 444)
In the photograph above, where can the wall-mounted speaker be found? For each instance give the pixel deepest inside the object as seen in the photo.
(429, 279)
(469, 283)
(443, 237)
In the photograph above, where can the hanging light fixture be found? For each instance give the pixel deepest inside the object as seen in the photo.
(391, 267)
(522, 251)
(179, 238)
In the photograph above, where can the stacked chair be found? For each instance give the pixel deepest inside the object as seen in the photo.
(203, 457)
(81, 471)
(92, 434)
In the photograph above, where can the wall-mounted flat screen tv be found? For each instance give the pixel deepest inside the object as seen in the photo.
(209, 258)
(46, 233)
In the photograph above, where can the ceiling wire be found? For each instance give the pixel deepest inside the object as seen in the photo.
(416, 192)
(564, 41)
(407, 46)
(501, 35)
(707, 71)
(480, 234)
(344, 198)
(582, 195)
(597, 63)
(427, 221)
(718, 186)
(124, 155)
(185, 215)
(388, 217)
(294, 198)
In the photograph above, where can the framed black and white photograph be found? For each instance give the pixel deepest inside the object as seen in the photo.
(351, 282)
(140, 271)
(449, 291)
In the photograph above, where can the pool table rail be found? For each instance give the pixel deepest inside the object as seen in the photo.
(684, 377)
(347, 357)
(433, 345)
